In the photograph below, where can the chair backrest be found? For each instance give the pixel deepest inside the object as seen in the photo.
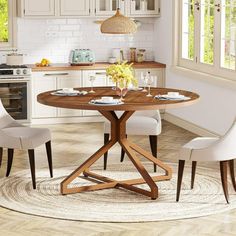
(5, 119)
(229, 139)
(223, 149)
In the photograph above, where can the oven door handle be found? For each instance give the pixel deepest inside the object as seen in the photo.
(56, 74)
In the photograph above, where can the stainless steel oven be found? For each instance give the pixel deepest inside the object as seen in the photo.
(15, 91)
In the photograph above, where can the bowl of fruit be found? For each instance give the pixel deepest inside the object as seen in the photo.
(44, 62)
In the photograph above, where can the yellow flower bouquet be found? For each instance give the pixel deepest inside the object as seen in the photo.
(122, 75)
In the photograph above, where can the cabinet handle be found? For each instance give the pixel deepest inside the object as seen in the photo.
(56, 74)
(100, 73)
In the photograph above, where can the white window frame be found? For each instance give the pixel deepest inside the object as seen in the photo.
(12, 24)
(214, 71)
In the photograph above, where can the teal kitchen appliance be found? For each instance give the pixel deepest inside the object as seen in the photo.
(82, 57)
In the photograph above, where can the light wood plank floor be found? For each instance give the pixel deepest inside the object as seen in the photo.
(72, 143)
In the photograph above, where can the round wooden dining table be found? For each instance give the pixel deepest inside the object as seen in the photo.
(134, 101)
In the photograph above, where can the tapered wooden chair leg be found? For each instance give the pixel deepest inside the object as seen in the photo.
(153, 144)
(106, 139)
(223, 173)
(180, 177)
(32, 166)
(194, 166)
(10, 153)
(49, 155)
(122, 156)
(232, 174)
(1, 151)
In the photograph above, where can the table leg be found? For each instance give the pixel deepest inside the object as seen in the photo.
(118, 134)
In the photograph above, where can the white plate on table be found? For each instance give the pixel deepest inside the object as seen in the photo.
(106, 103)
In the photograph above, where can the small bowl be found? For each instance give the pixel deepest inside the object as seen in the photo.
(107, 99)
(68, 90)
(173, 94)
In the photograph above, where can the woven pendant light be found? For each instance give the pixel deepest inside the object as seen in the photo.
(118, 24)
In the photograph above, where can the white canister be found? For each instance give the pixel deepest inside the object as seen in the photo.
(116, 54)
(14, 59)
(112, 60)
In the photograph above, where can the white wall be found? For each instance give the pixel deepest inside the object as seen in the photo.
(54, 39)
(217, 107)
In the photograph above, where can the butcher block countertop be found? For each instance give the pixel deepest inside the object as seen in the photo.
(96, 66)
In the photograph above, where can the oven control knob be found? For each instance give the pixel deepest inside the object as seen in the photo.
(25, 71)
(18, 72)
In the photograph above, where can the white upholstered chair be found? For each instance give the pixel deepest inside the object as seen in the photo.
(16, 136)
(141, 123)
(221, 150)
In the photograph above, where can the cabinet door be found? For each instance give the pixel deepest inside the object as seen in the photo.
(75, 7)
(100, 78)
(69, 80)
(39, 8)
(42, 83)
(144, 8)
(100, 81)
(108, 7)
(159, 73)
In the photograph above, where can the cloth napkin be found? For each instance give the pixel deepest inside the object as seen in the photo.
(173, 98)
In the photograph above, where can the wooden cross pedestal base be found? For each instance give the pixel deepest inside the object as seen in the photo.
(118, 134)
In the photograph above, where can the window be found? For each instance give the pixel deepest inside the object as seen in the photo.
(6, 23)
(207, 36)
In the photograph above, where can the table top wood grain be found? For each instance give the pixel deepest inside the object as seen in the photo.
(134, 100)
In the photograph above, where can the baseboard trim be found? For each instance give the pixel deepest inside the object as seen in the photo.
(189, 126)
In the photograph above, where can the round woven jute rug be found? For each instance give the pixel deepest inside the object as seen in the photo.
(115, 205)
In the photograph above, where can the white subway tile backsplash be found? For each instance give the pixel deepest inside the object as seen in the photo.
(54, 38)
(57, 22)
(69, 27)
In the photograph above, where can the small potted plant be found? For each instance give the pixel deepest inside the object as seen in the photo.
(122, 75)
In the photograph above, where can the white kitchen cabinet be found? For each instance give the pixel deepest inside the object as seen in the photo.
(45, 81)
(39, 8)
(108, 7)
(74, 7)
(86, 8)
(159, 73)
(52, 80)
(70, 80)
(100, 81)
(42, 83)
(144, 8)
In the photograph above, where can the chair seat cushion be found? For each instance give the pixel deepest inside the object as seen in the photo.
(197, 143)
(24, 137)
(139, 125)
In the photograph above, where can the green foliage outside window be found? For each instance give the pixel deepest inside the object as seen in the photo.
(191, 31)
(3, 20)
(208, 32)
